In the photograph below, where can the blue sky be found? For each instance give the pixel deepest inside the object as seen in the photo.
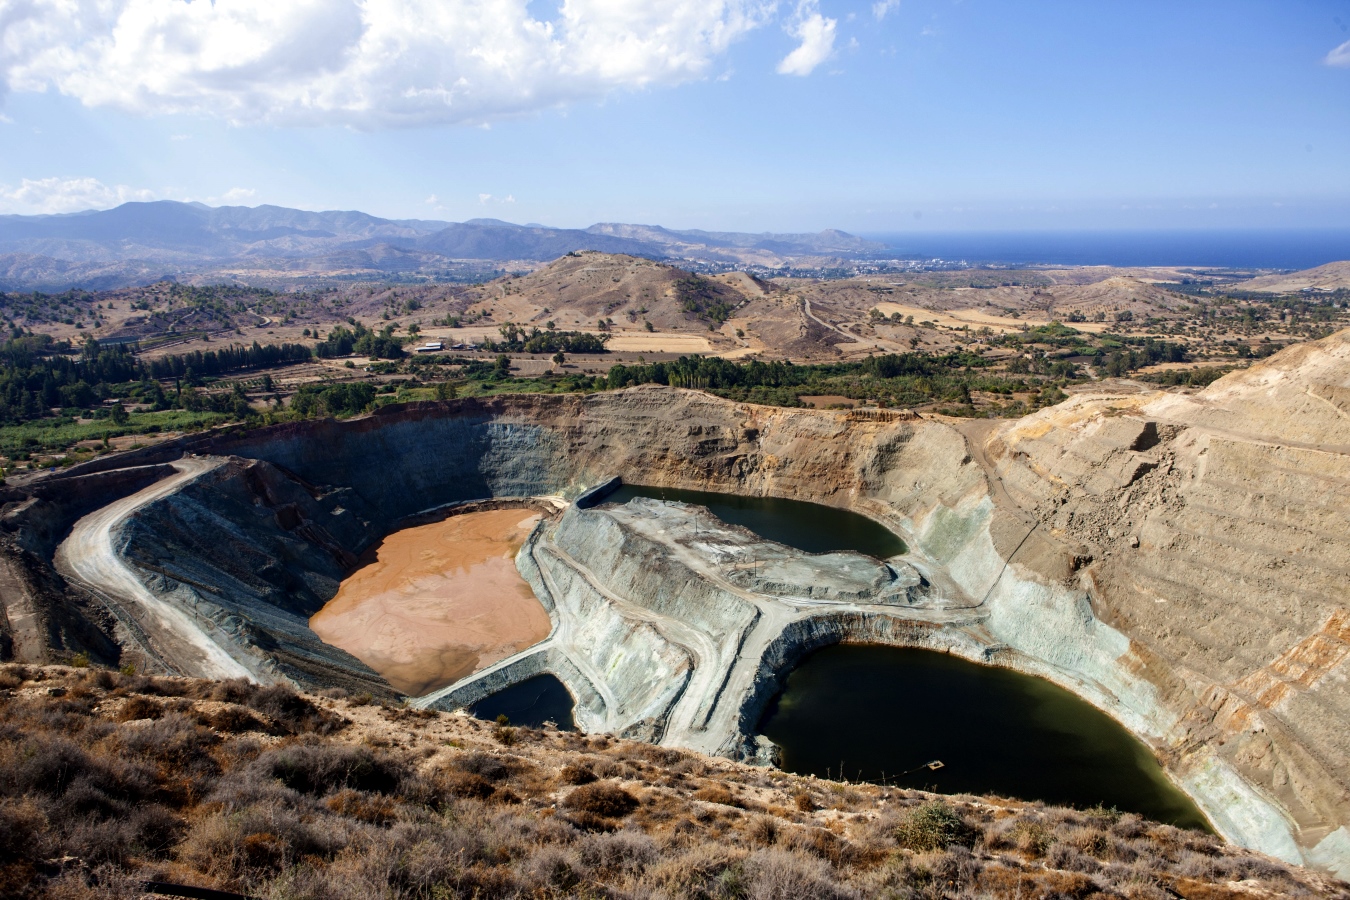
(729, 114)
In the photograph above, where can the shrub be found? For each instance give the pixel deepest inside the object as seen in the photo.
(468, 785)
(601, 799)
(487, 765)
(21, 826)
(626, 852)
(933, 826)
(235, 690)
(763, 830)
(1092, 841)
(174, 739)
(577, 774)
(554, 868)
(1031, 838)
(297, 715)
(715, 793)
(376, 809)
(324, 768)
(257, 838)
(138, 707)
(817, 842)
(234, 720)
(53, 766)
(779, 875)
(704, 871)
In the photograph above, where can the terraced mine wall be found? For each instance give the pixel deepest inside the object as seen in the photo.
(1175, 561)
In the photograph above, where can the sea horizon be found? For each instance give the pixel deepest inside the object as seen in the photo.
(1236, 248)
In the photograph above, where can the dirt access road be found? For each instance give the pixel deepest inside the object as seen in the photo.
(89, 558)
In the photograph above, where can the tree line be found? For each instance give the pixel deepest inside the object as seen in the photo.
(516, 340)
(38, 374)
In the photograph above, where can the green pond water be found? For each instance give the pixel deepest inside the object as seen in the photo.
(869, 713)
(811, 527)
(532, 702)
(882, 713)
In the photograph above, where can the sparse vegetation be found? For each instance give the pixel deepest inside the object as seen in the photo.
(108, 781)
(700, 298)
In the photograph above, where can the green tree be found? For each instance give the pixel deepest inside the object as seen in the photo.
(118, 414)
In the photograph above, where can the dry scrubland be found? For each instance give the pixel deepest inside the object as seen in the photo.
(651, 307)
(108, 781)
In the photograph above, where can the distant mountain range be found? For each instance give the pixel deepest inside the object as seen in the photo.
(139, 242)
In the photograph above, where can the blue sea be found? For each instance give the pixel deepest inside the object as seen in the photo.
(1239, 249)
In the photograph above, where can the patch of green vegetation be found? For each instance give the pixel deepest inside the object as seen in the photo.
(516, 340)
(47, 435)
(343, 341)
(905, 380)
(933, 826)
(699, 297)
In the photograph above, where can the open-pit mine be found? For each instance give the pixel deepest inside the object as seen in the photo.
(1179, 561)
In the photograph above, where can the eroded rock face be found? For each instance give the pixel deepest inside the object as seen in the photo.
(1221, 550)
(1179, 561)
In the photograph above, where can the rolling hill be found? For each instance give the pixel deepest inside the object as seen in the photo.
(1330, 277)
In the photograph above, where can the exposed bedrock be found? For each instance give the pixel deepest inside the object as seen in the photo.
(1179, 561)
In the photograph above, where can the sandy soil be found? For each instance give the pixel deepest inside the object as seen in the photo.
(438, 602)
(959, 317)
(825, 401)
(664, 341)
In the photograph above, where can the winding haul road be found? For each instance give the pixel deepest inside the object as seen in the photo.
(88, 557)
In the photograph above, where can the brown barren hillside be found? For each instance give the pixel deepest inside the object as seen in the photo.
(1330, 277)
(111, 781)
(651, 306)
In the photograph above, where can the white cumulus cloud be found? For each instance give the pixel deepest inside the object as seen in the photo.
(1340, 56)
(364, 63)
(236, 196)
(816, 33)
(882, 7)
(62, 195)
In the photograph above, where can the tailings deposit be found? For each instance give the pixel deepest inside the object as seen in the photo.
(435, 603)
(885, 713)
(812, 527)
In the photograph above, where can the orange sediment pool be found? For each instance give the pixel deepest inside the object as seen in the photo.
(435, 603)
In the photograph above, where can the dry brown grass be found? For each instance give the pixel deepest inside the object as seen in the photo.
(107, 781)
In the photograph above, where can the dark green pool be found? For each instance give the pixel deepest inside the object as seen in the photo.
(881, 713)
(807, 526)
(532, 702)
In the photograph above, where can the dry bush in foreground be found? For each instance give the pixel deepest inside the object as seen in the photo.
(108, 781)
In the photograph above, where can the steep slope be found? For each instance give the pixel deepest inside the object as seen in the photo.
(1216, 525)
